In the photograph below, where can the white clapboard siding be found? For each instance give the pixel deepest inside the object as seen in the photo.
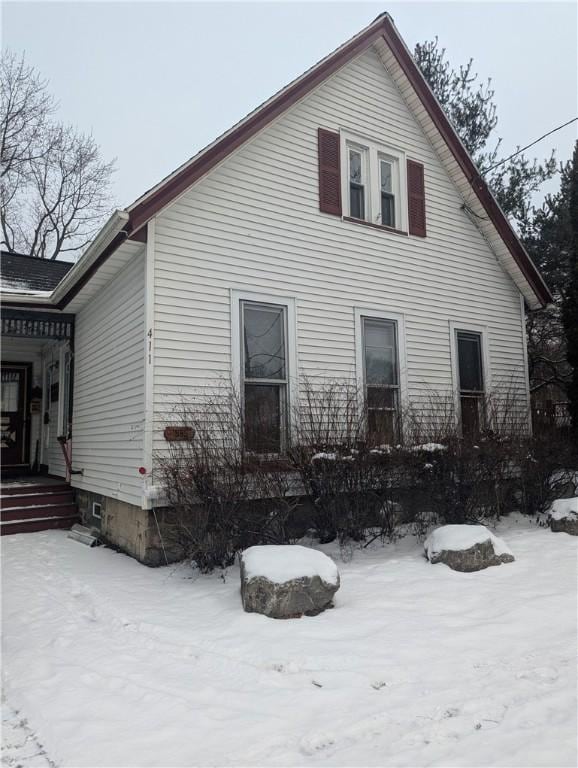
(108, 407)
(254, 224)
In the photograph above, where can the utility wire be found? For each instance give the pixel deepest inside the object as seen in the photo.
(574, 119)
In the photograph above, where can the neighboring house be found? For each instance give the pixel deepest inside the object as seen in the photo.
(340, 229)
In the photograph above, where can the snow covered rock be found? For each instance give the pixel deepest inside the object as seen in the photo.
(287, 581)
(563, 516)
(466, 547)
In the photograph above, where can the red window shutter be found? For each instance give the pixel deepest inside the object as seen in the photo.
(329, 172)
(416, 198)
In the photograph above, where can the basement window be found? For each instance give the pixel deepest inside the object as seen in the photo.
(96, 510)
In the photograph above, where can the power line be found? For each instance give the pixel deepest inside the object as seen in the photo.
(574, 119)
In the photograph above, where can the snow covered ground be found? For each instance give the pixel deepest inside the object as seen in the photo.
(109, 663)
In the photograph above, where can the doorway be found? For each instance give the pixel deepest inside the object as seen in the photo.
(14, 424)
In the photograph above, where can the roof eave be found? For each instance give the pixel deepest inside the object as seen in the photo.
(108, 239)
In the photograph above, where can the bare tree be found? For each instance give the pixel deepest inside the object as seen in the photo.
(54, 185)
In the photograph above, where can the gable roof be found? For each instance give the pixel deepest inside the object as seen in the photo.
(382, 29)
(29, 274)
(382, 34)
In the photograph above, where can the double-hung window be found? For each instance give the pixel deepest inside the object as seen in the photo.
(376, 183)
(264, 374)
(471, 381)
(381, 379)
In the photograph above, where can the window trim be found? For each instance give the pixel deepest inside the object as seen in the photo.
(375, 151)
(237, 297)
(482, 330)
(398, 318)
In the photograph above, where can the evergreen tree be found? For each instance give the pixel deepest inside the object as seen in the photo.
(550, 238)
(469, 104)
(570, 291)
(549, 233)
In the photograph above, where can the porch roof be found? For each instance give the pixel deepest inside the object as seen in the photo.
(32, 324)
(28, 273)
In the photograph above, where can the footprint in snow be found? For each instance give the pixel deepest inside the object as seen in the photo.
(317, 742)
(451, 712)
(539, 674)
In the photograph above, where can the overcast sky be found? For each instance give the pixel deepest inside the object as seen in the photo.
(155, 82)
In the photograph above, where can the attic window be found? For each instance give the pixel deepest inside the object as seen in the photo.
(376, 183)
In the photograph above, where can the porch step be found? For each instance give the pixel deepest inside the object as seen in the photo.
(33, 526)
(44, 511)
(29, 507)
(36, 499)
(24, 489)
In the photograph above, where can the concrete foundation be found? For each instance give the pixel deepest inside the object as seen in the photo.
(129, 528)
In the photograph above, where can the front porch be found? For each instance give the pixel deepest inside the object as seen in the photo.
(36, 393)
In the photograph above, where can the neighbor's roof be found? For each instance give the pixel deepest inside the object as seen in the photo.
(27, 274)
(407, 76)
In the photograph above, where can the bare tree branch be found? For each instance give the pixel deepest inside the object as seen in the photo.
(54, 185)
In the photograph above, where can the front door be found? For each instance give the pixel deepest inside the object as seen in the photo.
(14, 418)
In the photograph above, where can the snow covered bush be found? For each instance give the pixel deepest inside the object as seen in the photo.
(483, 476)
(353, 493)
(546, 464)
(349, 475)
(340, 480)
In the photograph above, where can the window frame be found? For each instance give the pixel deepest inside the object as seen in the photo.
(376, 151)
(372, 313)
(482, 331)
(238, 300)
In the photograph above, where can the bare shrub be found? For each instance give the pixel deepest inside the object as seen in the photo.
(204, 478)
(275, 493)
(223, 500)
(349, 479)
(501, 468)
(358, 488)
(547, 465)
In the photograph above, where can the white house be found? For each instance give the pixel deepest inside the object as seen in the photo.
(341, 227)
